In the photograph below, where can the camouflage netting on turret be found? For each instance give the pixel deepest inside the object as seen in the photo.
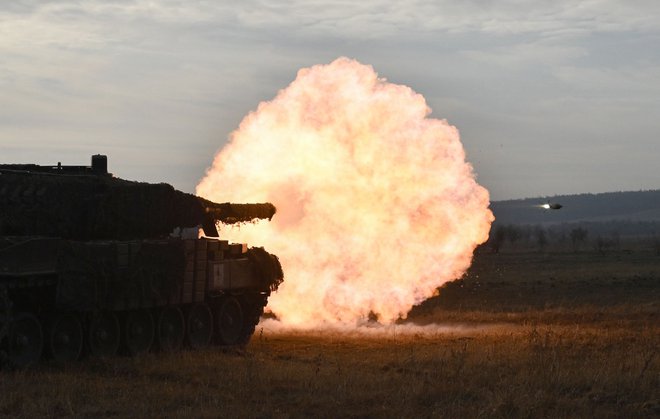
(103, 207)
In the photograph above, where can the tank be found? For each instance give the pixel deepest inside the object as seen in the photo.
(94, 265)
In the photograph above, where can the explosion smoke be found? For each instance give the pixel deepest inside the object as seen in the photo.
(376, 205)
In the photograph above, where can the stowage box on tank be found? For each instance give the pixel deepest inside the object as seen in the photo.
(93, 264)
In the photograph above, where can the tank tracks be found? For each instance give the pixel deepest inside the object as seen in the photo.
(60, 337)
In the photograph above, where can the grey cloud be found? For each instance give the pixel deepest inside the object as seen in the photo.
(374, 18)
(530, 85)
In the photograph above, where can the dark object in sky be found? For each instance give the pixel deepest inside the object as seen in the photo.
(86, 203)
(554, 206)
(90, 263)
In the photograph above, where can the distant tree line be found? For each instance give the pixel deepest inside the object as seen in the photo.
(639, 206)
(602, 237)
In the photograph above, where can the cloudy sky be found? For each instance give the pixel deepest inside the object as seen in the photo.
(550, 97)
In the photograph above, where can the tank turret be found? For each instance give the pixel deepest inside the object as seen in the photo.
(86, 202)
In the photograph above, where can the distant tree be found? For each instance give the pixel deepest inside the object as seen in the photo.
(616, 240)
(655, 244)
(497, 238)
(578, 237)
(525, 234)
(562, 238)
(541, 238)
(602, 245)
(512, 234)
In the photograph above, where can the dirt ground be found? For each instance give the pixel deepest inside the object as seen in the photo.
(521, 335)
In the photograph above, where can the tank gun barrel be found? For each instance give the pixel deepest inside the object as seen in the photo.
(230, 213)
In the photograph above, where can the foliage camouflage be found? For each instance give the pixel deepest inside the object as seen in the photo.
(85, 207)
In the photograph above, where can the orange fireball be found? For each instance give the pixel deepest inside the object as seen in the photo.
(376, 205)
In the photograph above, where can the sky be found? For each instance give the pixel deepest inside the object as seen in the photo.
(550, 98)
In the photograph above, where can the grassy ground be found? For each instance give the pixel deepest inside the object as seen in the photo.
(522, 335)
(565, 287)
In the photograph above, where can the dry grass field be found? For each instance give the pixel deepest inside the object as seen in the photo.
(521, 335)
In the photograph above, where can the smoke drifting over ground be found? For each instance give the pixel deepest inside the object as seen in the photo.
(376, 205)
(270, 327)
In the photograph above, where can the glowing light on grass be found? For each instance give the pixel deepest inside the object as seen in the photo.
(376, 205)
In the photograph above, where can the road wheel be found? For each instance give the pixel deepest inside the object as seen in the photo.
(66, 338)
(171, 329)
(200, 326)
(104, 334)
(26, 340)
(139, 331)
(253, 308)
(229, 321)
